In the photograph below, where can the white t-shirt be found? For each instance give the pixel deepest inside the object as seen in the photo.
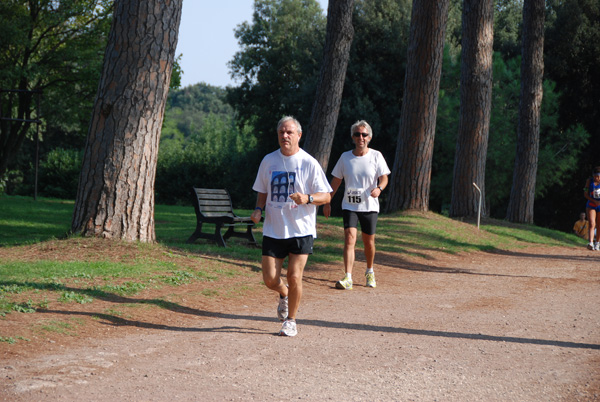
(279, 176)
(360, 174)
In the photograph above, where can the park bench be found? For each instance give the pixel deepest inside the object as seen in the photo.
(214, 206)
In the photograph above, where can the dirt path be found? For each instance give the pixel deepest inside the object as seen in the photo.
(522, 326)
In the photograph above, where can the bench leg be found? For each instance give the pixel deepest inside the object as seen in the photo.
(218, 237)
(230, 232)
(250, 235)
(196, 233)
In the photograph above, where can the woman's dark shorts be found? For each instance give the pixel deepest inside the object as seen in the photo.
(281, 248)
(589, 206)
(368, 221)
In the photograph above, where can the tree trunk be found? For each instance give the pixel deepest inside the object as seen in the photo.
(522, 193)
(115, 198)
(411, 174)
(336, 53)
(475, 108)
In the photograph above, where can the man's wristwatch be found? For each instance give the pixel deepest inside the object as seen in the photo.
(310, 199)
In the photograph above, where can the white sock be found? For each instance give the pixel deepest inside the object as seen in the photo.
(369, 271)
(348, 276)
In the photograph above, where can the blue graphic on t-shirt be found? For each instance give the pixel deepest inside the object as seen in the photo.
(282, 185)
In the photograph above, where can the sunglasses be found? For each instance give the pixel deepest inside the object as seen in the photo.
(364, 135)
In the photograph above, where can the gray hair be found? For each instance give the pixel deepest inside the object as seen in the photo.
(285, 119)
(361, 123)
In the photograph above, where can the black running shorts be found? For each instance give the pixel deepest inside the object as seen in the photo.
(281, 248)
(368, 221)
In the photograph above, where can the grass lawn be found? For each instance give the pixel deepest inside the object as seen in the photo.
(42, 266)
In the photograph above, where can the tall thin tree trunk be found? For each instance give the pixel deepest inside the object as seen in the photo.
(475, 107)
(115, 198)
(411, 174)
(323, 119)
(522, 193)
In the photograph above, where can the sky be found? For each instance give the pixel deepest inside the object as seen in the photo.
(207, 41)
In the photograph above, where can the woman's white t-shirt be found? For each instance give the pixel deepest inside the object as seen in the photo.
(279, 176)
(360, 174)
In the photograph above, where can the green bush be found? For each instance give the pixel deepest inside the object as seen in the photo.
(13, 182)
(59, 173)
(217, 156)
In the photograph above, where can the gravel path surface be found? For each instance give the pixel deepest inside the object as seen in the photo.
(522, 326)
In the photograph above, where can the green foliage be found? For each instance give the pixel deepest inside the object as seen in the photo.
(375, 78)
(3, 182)
(218, 155)
(59, 173)
(61, 327)
(176, 74)
(12, 340)
(559, 149)
(201, 146)
(128, 288)
(8, 306)
(446, 133)
(454, 27)
(72, 296)
(181, 277)
(508, 20)
(188, 108)
(503, 133)
(278, 65)
(55, 47)
(572, 60)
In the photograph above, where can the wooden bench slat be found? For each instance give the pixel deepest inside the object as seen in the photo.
(210, 207)
(214, 198)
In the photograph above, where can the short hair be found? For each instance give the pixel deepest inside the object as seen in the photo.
(285, 119)
(596, 170)
(361, 123)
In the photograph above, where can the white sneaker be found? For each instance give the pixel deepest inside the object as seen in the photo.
(282, 308)
(288, 328)
(591, 246)
(371, 280)
(344, 284)
(597, 246)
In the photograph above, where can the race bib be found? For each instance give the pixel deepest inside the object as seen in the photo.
(355, 196)
(596, 194)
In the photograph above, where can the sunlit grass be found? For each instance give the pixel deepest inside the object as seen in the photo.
(27, 284)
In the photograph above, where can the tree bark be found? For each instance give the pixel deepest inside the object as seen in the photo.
(522, 194)
(411, 174)
(475, 108)
(115, 197)
(336, 53)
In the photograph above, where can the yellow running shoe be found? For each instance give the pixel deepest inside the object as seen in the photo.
(344, 284)
(371, 280)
